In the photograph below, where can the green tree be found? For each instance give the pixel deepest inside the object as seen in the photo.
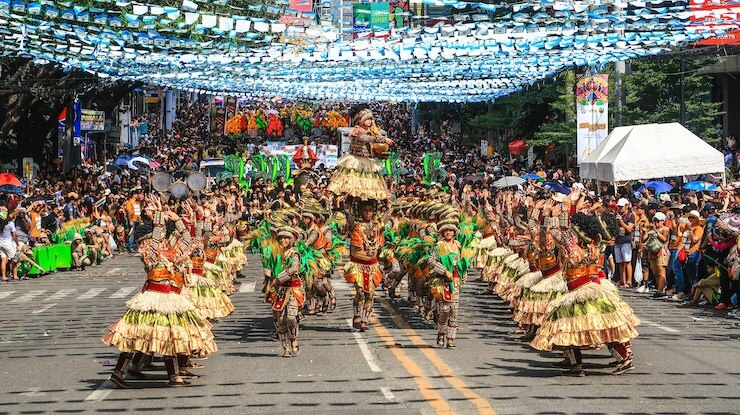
(560, 129)
(653, 95)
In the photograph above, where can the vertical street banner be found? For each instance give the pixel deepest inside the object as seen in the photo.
(218, 112)
(592, 106)
(231, 103)
(361, 19)
(380, 16)
(483, 147)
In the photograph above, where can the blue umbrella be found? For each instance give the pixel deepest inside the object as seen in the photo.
(700, 186)
(659, 186)
(557, 187)
(122, 160)
(531, 176)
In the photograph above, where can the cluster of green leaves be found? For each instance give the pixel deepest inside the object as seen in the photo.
(652, 94)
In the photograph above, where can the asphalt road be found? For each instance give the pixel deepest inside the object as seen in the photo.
(52, 359)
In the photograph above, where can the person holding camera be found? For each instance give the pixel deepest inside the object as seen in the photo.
(655, 241)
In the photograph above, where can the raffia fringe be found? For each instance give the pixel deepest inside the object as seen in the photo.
(165, 303)
(359, 164)
(143, 332)
(554, 282)
(361, 185)
(529, 279)
(589, 330)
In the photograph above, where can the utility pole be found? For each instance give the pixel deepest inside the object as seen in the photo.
(683, 92)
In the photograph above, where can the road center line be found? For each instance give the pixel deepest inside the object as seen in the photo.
(366, 353)
(660, 326)
(101, 392)
(112, 271)
(447, 373)
(388, 393)
(427, 390)
(46, 307)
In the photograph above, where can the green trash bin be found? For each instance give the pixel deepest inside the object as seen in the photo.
(62, 256)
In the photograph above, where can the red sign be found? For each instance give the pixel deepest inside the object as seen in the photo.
(302, 5)
(716, 14)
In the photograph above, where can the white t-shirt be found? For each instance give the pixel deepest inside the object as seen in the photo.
(7, 234)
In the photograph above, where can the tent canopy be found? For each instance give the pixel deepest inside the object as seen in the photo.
(651, 151)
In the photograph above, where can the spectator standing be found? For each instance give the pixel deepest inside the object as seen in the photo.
(623, 242)
(692, 243)
(8, 244)
(639, 257)
(132, 209)
(656, 243)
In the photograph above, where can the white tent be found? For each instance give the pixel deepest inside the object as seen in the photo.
(651, 151)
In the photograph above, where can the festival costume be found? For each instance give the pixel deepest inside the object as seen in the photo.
(591, 313)
(358, 173)
(287, 299)
(211, 302)
(447, 257)
(363, 269)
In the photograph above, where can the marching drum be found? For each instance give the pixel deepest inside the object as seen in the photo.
(161, 182)
(197, 181)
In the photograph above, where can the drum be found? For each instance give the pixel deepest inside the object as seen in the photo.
(197, 181)
(161, 182)
(179, 189)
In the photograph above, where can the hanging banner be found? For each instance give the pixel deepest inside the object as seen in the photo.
(592, 105)
(218, 114)
(92, 120)
(483, 147)
(77, 123)
(231, 104)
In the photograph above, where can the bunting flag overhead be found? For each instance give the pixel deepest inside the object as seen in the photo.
(246, 49)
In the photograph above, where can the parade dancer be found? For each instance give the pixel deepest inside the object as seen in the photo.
(363, 270)
(160, 319)
(591, 313)
(448, 270)
(288, 295)
(358, 178)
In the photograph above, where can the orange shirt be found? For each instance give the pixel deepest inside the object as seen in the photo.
(35, 231)
(133, 208)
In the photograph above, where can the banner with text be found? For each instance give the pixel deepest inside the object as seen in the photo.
(592, 105)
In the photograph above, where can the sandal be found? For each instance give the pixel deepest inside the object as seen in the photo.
(186, 374)
(177, 383)
(119, 382)
(192, 365)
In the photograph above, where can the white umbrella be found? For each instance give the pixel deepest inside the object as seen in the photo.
(508, 181)
(139, 159)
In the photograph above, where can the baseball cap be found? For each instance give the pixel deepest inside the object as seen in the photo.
(695, 213)
(612, 204)
(622, 202)
(709, 207)
(659, 216)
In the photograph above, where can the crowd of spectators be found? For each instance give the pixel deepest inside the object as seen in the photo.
(679, 246)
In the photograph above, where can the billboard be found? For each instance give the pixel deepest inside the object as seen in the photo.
(714, 15)
(592, 106)
(302, 5)
(327, 153)
(369, 18)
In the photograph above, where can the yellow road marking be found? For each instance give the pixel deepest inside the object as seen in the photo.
(484, 408)
(428, 391)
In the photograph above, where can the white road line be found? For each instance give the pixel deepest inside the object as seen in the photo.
(46, 307)
(247, 287)
(388, 393)
(101, 392)
(28, 296)
(61, 294)
(365, 349)
(91, 293)
(5, 294)
(660, 326)
(112, 271)
(122, 292)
